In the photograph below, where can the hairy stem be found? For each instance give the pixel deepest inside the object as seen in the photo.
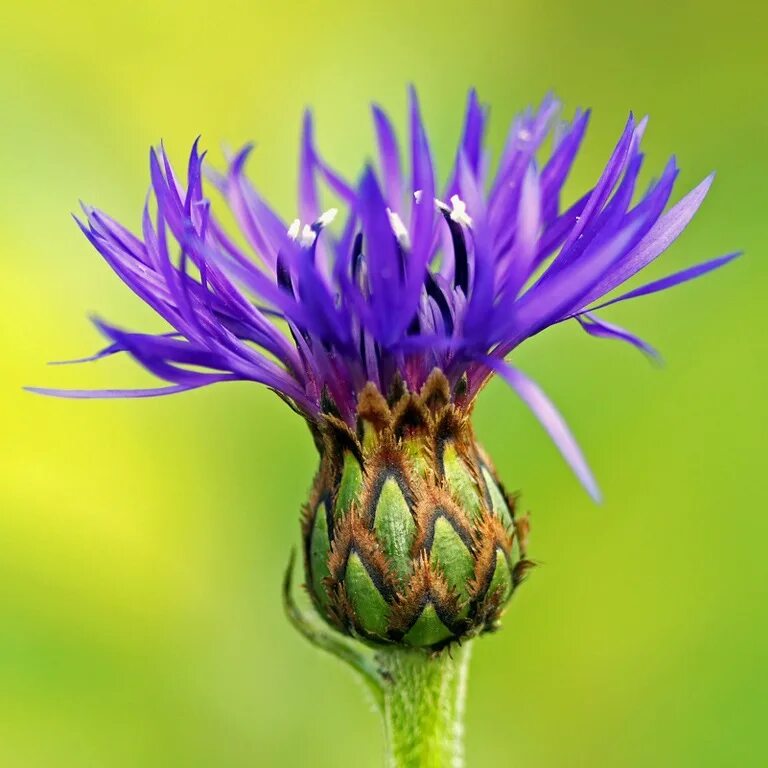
(419, 693)
(424, 707)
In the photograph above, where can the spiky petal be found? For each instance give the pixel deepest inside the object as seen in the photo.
(414, 279)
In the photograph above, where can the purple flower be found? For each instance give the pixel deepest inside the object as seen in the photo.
(411, 279)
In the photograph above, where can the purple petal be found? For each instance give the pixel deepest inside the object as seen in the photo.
(309, 207)
(550, 419)
(112, 349)
(471, 143)
(383, 260)
(557, 230)
(604, 330)
(474, 127)
(524, 138)
(314, 313)
(691, 273)
(389, 155)
(527, 231)
(600, 193)
(556, 170)
(546, 302)
(479, 312)
(657, 240)
(422, 181)
(95, 394)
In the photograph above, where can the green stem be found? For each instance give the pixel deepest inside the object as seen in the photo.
(424, 707)
(420, 694)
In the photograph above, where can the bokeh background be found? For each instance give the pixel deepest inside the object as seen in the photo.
(142, 543)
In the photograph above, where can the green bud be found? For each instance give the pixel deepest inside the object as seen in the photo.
(408, 536)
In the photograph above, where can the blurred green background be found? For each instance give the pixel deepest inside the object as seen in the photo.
(142, 543)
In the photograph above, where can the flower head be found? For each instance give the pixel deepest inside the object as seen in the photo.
(401, 278)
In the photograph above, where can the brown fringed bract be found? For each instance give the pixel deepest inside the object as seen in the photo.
(415, 502)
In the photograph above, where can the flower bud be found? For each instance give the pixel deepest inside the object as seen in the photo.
(409, 538)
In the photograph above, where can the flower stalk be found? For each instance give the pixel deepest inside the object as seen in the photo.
(420, 694)
(424, 697)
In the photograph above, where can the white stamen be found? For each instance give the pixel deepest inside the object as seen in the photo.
(293, 230)
(459, 213)
(457, 210)
(417, 195)
(327, 217)
(401, 233)
(524, 134)
(307, 236)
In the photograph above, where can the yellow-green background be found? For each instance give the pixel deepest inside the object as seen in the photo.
(142, 543)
